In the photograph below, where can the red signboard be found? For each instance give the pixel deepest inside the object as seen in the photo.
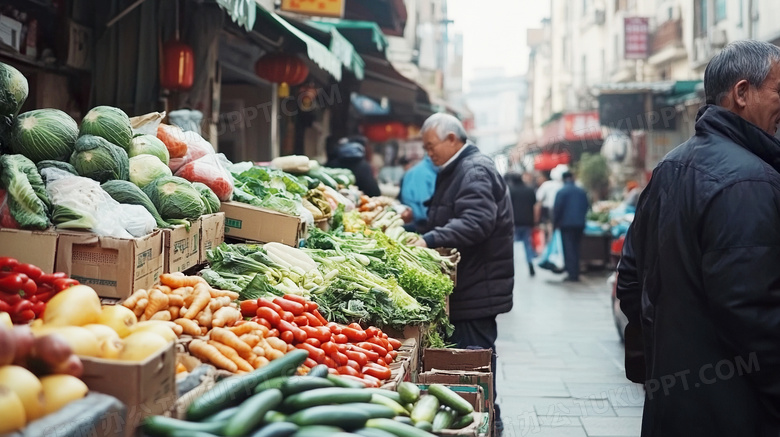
(636, 37)
(318, 8)
(574, 126)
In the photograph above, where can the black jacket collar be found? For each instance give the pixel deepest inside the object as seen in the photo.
(469, 149)
(713, 118)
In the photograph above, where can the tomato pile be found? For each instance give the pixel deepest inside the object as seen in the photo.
(348, 350)
(25, 289)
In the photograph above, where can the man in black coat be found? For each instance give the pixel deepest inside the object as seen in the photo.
(699, 279)
(352, 155)
(568, 216)
(471, 211)
(523, 202)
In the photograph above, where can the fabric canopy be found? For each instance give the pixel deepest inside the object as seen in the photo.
(366, 36)
(340, 46)
(243, 12)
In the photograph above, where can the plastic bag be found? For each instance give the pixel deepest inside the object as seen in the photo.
(197, 147)
(210, 171)
(80, 203)
(552, 258)
(146, 124)
(186, 119)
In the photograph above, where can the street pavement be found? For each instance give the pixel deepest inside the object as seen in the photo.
(560, 360)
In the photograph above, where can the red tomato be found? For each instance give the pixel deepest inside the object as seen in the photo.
(334, 327)
(263, 302)
(381, 362)
(329, 347)
(284, 325)
(340, 358)
(268, 314)
(355, 326)
(328, 361)
(248, 308)
(393, 354)
(371, 331)
(358, 357)
(287, 316)
(311, 306)
(300, 335)
(312, 332)
(263, 322)
(346, 370)
(319, 316)
(382, 374)
(313, 341)
(289, 305)
(354, 335)
(353, 378)
(301, 321)
(309, 363)
(313, 320)
(370, 354)
(340, 338)
(371, 381)
(395, 343)
(315, 353)
(273, 333)
(388, 359)
(295, 298)
(288, 337)
(353, 364)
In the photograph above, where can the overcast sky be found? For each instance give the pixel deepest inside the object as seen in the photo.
(494, 32)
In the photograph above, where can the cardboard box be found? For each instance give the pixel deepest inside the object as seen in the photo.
(114, 267)
(483, 380)
(212, 233)
(481, 427)
(251, 223)
(147, 387)
(182, 247)
(33, 247)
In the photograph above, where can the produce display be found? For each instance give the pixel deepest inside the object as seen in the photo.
(28, 203)
(13, 90)
(25, 289)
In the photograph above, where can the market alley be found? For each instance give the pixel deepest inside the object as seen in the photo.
(560, 364)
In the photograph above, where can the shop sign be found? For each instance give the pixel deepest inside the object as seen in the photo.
(318, 8)
(636, 37)
(577, 126)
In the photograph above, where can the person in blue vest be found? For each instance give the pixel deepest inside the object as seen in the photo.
(569, 211)
(417, 187)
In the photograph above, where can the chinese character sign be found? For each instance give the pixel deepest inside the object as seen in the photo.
(636, 37)
(319, 8)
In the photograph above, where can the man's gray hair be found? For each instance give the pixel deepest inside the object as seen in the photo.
(748, 60)
(444, 124)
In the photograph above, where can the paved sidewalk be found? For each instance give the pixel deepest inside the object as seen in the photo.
(560, 361)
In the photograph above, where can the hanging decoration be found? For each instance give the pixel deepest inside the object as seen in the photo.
(383, 132)
(547, 161)
(177, 71)
(283, 69)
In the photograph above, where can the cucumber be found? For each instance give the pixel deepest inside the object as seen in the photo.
(387, 402)
(317, 431)
(277, 382)
(403, 419)
(463, 421)
(374, 410)
(373, 432)
(386, 393)
(408, 392)
(443, 420)
(274, 416)
(297, 384)
(325, 396)
(160, 426)
(397, 428)
(222, 415)
(334, 415)
(278, 429)
(425, 426)
(450, 398)
(341, 382)
(234, 390)
(252, 411)
(425, 409)
(319, 371)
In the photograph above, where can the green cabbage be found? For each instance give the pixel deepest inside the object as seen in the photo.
(209, 198)
(96, 158)
(128, 193)
(27, 199)
(149, 145)
(146, 168)
(175, 198)
(64, 166)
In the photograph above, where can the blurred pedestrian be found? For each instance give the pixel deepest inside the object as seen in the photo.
(523, 201)
(569, 212)
(471, 211)
(417, 187)
(699, 280)
(631, 193)
(352, 155)
(545, 196)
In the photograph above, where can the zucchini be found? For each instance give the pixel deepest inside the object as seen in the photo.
(335, 415)
(397, 428)
(252, 412)
(341, 382)
(450, 398)
(373, 432)
(222, 416)
(463, 421)
(408, 392)
(443, 420)
(386, 393)
(161, 426)
(426, 426)
(389, 403)
(274, 416)
(320, 371)
(277, 382)
(425, 409)
(373, 410)
(297, 384)
(234, 390)
(278, 429)
(325, 396)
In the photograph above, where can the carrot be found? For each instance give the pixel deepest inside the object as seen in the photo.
(245, 328)
(134, 298)
(232, 295)
(175, 300)
(259, 350)
(140, 307)
(227, 337)
(225, 316)
(274, 354)
(277, 343)
(251, 339)
(177, 281)
(209, 353)
(164, 288)
(199, 302)
(219, 302)
(173, 138)
(188, 326)
(157, 301)
(182, 291)
(164, 315)
(232, 355)
(204, 317)
(260, 362)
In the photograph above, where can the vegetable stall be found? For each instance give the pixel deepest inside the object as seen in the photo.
(146, 305)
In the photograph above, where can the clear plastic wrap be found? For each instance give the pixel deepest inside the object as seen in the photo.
(197, 147)
(80, 203)
(210, 170)
(147, 123)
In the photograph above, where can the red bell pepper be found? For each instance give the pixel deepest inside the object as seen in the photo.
(63, 283)
(38, 308)
(5, 306)
(12, 282)
(7, 263)
(49, 278)
(22, 311)
(32, 272)
(30, 288)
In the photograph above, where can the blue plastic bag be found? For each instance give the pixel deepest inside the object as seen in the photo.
(552, 257)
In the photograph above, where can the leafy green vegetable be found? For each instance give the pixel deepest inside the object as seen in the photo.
(268, 188)
(27, 199)
(129, 193)
(109, 123)
(149, 145)
(13, 90)
(146, 168)
(210, 200)
(64, 166)
(175, 198)
(44, 134)
(66, 217)
(96, 158)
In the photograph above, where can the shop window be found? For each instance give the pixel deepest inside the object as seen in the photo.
(701, 24)
(720, 10)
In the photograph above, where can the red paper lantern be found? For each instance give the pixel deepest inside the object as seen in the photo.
(382, 132)
(283, 69)
(548, 161)
(178, 69)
